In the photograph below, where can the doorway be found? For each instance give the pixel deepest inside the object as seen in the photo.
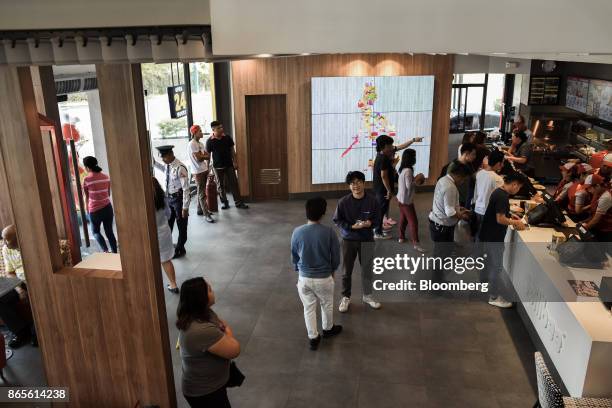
(266, 117)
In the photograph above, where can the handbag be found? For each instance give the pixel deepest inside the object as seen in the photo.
(236, 378)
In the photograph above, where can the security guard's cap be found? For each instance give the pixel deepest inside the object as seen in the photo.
(163, 150)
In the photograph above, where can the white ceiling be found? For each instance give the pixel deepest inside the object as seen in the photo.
(71, 14)
(523, 27)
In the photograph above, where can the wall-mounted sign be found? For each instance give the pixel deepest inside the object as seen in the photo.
(178, 101)
(544, 90)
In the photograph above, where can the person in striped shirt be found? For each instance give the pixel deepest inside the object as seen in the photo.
(96, 187)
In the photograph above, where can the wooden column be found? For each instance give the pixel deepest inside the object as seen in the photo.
(105, 338)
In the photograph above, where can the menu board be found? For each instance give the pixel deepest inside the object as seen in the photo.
(577, 93)
(599, 102)
(544, 90)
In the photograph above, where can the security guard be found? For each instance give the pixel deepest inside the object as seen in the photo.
(178, 194)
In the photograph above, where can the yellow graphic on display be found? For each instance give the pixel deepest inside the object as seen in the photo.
(373, 124)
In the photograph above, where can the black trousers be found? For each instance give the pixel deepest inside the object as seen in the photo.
(228, 182)
(350, 251)
(175, 213)
(383, 206)
(443, 238)
(9, 312)
(216, 399)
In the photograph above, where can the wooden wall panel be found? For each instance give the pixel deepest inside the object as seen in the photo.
(292, 76)
(6, 212)
(104, 338)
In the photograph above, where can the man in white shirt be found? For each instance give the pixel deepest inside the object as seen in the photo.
(199, 162)
(446, 212)
(178, 194)
(487, 180)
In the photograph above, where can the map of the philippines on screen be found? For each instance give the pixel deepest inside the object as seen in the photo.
(349, 113)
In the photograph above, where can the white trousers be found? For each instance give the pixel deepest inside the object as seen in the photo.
(312, 290)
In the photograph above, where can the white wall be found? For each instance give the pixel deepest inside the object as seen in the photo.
(45, 14)
(476, 64)
(451, 26)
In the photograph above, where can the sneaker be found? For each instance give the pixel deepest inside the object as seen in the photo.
(371, 302)
(174, 290)
(179, 253)
(200, 212)
(382, 236)
(335, 329)
(225, 206)
(314, 343)
(242, 206)
(390, 221)
(209, 218)
(500, 302)
(418, 248)
(344, 304)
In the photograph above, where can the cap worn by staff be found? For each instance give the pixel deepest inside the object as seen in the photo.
(584, 168)
(593, 179)
(607, 160)
(194, 129)
(567, 166)
(165, 149)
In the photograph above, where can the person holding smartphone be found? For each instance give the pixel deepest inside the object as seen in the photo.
(355, 216)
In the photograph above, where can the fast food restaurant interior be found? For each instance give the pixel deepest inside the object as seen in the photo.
(290, 204)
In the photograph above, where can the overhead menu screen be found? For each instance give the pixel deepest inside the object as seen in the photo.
(577, 94)
(349, 113)
(544, 90)
(600, 100)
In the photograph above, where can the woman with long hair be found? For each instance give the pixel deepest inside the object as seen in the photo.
(164, 236)
(96, 187)
(405, 197)
(207, 346)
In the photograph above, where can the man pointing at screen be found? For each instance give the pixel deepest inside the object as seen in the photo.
(385, 176)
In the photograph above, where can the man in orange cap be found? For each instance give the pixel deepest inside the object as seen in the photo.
(199, 163)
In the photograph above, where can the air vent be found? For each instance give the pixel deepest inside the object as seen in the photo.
(73, 85)
(269, 176)
(90, 83)
(67, 86)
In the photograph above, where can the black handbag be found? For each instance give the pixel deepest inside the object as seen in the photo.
(236, 378)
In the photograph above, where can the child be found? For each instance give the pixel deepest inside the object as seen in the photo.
(405, 194)
(315, 253)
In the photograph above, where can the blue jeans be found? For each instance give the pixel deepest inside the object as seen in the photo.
(104, 217)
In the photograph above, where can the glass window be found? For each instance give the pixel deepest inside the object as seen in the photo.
(469, 79)
(495, 98)
(163, 129)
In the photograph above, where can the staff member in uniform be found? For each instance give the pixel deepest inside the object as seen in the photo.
(177, 191)
(199, 159)
(600, 222)
(520, 153)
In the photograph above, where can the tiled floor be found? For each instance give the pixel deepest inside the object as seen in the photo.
(439, 353)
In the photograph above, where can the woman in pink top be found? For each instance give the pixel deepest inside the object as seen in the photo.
(97, 192)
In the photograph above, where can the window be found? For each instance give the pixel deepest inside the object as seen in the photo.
(476, 102)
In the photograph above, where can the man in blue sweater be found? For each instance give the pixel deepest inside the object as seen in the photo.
(356, 215)
(315, 253)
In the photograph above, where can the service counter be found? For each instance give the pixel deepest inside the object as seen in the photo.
(577, 334)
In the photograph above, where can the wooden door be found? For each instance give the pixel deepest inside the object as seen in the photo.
(267, 139)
